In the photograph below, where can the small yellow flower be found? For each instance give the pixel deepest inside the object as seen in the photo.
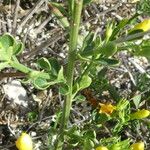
(24, 142)
(140, 114)
(101, 148)
(145, 26)
(106, 108)
(137, 146)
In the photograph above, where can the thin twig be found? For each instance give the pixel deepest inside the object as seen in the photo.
(31, 12)
(124, 60)
(15, 17)
(42, 25)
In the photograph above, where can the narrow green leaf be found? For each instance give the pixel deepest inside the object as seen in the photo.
(119, 27)
(107, 61)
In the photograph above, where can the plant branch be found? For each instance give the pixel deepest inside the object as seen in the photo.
(131, 37)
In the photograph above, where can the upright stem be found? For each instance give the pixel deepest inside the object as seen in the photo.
(74, 29)
(71, 59)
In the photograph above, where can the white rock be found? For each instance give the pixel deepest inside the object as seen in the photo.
(16, 92)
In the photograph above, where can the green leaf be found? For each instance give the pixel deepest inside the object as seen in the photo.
(85, 82)
(137, 100)
(101, 118)
(64, 89)
(88, 50)
(108, 49)
(3, 65)
(119, 27)
(9, 47)
(90, 44)
(75, 89)
(122, 145)
(144, 51)
(55, 67)
(44, 64)
(7, 41)
(60, 77)
(135, 31)
(87, 41)
(90, 134)
(18, 48)
(88, 144)
(41, 83)
(5, 54)
(144, 7)
(79, 98)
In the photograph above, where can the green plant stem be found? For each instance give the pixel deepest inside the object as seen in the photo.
(71, 59)
(74, 29)
(22, 68)
(131, 37)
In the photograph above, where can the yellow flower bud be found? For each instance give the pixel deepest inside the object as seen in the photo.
(137, 146)
(106, 108)
(101, 148)
(140, 114)
(24, 142)
(145, 26)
